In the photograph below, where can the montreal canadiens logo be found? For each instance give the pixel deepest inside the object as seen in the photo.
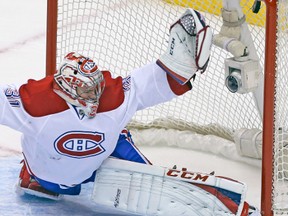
(89, 65)
(80, 144)
(88, 68)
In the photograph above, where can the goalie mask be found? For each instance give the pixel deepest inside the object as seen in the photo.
(80, 82)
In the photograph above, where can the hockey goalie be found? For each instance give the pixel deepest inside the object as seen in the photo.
(73, 126)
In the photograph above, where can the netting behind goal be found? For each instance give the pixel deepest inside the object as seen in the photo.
(121, 35)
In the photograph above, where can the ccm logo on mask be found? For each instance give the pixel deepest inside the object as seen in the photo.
(80, 144)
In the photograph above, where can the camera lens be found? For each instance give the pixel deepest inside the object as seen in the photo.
(233, 82)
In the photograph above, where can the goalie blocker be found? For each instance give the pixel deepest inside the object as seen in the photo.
(142, 189)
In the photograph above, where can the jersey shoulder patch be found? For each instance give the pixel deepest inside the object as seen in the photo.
(126, 83)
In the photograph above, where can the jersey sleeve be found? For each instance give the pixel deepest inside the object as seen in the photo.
(150, 85)
(12, 113)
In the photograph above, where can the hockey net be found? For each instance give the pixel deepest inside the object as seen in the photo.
(125, 34)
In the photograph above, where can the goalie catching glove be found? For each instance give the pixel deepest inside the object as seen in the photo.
(189, 47)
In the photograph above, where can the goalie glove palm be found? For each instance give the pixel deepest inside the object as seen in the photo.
(189, 47)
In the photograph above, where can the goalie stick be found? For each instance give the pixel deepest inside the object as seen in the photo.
(152, 190)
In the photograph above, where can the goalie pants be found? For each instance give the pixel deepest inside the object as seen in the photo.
(125, 149)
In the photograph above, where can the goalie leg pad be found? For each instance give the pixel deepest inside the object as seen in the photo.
(151, 190)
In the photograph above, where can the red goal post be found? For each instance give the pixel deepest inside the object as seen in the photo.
(87, 30)
(51, 36)
(268, 114)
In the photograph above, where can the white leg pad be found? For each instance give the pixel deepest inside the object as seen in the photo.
(151, 190)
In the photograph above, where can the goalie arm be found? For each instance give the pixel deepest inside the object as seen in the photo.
(162, 81)
(12, 112)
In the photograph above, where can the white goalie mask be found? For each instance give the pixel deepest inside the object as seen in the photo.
(80, 82)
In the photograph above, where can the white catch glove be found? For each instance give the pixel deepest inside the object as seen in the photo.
(189, 47)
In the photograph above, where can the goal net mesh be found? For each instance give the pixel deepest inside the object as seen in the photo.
(125, 34)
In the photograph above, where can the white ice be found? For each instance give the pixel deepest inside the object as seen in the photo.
(22, 56)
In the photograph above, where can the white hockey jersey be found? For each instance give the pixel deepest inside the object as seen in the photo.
(64, 147)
